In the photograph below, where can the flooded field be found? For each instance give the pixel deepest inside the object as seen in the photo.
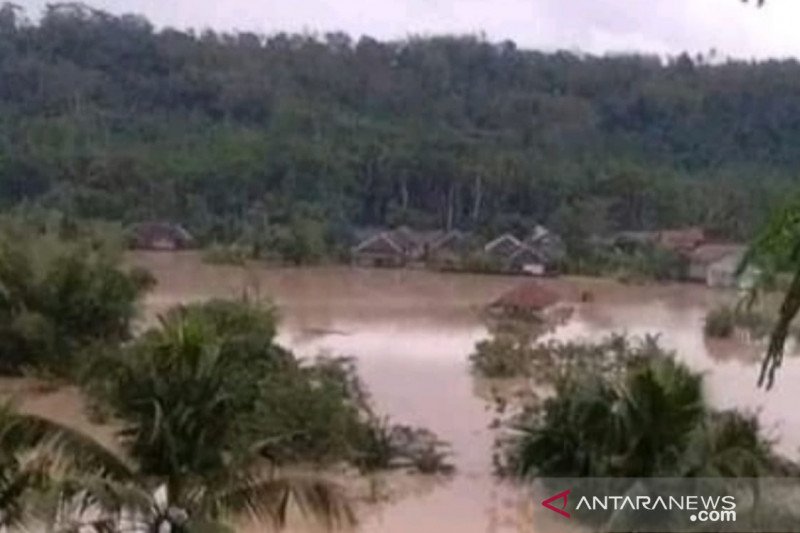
(411, 332)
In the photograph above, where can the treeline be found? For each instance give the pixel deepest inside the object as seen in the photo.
(292, 134)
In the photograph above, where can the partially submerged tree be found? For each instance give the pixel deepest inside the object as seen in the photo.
(186, 394)
(649, 420)
(60, 294)
(777, 248)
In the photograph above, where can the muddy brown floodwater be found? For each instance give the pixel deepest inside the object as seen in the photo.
(411, 332)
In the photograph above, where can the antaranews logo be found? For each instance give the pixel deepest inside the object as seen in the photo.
(561, 496)
(702, 508)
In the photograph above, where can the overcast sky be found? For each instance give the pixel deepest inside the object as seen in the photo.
(661, 26)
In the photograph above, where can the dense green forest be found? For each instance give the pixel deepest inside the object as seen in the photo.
(311, 136)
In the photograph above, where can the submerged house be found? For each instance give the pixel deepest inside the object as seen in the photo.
(379, 250)
(402, 246)
(549, 245)
(159, 236)
(503, 247)
(681, 241)
(537, 255)
(448, 248)
(416, 244)
(717, 265)
(529, 298)
(528, 261)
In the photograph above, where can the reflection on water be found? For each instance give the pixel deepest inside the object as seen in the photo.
(411, 332)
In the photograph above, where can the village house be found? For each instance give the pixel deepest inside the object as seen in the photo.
(503, 247)
(403, 246)
(159, 236)
(448, 249)
(379, 250)
(537, 255)
(512, 255)
(681, 241)
(717, 265)
(547, 244)
(528, 261)
(417, 244)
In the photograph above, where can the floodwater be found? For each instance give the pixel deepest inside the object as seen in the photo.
(411, 332)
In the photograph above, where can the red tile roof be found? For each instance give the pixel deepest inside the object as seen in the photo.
(528, 296)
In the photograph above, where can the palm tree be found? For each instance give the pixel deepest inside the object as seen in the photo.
(660, 403)
(39, 456)
(652, 421)
(185, 401)
(571, 435)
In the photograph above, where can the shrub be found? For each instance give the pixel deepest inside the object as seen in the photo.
(59, 296)
(647, 418)
(297, 412)
(513, 352)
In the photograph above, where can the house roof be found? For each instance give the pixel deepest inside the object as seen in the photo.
(380, 243)
(681, 239)
(403, 240)
(504, 245)
(530, 296)
(448, 240)
(711, 253)
(362, 234)
(155, 230)
(410, 239)
(539, 232)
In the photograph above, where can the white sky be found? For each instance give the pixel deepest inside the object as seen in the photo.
(598, 26)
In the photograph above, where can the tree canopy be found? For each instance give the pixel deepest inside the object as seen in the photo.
(292, 140)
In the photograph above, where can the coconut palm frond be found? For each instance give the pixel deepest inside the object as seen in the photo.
(13, 487)
(270, 500)
(81, 450)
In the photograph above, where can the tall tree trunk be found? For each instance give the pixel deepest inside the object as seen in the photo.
(450, 199)
(477, 198)
(404, 192)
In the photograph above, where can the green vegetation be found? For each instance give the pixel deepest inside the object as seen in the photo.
(644, 263)
(286, 143)
(776, 250)
(211, 407)
(188, 395)
(514, 352)
(632, 412)
(214, 420)
(62, 292)
(40, 460)
(225, 254)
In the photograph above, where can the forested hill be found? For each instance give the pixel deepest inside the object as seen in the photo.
(229, 133)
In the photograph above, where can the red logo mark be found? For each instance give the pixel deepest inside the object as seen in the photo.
(548, 503)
